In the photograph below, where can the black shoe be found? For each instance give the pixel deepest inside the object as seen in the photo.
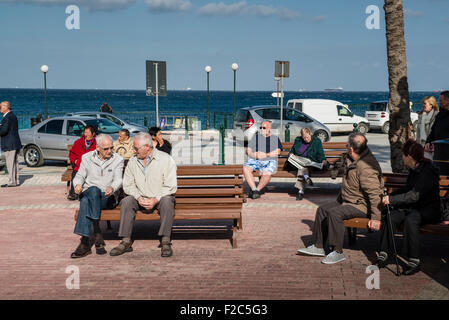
(381, 263)
(309, 182)
(100, 244)
(256, 194)
(81, 251)
(408, 270)
(250, 194)
(299, 196)
(72, 197)
(9, 185)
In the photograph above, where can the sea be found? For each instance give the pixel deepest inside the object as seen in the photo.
(136, 107)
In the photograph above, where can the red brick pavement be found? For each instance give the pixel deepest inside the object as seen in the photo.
(37, 245)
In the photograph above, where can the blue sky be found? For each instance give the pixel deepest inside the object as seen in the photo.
(326, 42)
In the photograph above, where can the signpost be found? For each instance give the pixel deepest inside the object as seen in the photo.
(156, 81)
(282, 70)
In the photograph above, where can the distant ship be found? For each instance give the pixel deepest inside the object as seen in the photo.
(302, 90)
(339, 89)
(186, 89)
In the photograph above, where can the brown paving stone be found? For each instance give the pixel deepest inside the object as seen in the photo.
(264, 266)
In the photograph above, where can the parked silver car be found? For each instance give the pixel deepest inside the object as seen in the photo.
(133, 128)
(249, 120)
(48, 140)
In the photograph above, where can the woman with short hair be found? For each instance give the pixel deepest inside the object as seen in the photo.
(426, 118)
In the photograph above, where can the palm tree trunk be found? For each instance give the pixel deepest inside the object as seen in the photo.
(401, 127)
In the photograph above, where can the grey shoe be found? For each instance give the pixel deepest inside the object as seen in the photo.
(121, 248)
(166, 250)
(256, 194)
(334, 257)
(313, 251)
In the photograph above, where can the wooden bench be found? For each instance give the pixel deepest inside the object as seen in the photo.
(204, 193)
(333, 152)
(394, 181)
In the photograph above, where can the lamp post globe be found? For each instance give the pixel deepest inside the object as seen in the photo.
(208, 69)
(235, 66)
(44, 68)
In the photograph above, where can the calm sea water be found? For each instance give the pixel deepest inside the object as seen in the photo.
(27, 103)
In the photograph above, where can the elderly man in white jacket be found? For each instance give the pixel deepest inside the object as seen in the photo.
(99, 177)
(150, 183)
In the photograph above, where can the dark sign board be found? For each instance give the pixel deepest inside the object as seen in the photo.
(282, 69)
(161, 78)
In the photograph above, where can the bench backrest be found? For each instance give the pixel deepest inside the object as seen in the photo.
(394, 181)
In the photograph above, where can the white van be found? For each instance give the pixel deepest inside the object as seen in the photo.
(335, 115)
(379, 116)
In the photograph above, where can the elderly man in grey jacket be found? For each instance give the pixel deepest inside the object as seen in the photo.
(99, 177)
(150, 183)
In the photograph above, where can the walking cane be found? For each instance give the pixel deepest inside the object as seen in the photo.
(392, 235)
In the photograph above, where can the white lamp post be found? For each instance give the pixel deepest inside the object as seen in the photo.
(208, 69)
(234, 67)
(44, 69)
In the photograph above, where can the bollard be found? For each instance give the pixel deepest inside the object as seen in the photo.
(186, 127)
(215, 118)
(222, 149)
(355, 130)
(287, 133)
(145, 121)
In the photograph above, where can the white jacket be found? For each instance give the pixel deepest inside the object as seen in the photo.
(160, 181)
(95, 173)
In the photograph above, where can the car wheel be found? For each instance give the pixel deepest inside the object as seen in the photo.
(322, 135)
(362, 128)
(386, 127)
(33, 156)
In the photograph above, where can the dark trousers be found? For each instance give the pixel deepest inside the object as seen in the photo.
(72, 187)
(411, 219)
(329, 224)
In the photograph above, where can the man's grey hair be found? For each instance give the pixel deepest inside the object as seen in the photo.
(305, 129)
(143, 139)
(7, 103)
(102, 137)
(358, 145)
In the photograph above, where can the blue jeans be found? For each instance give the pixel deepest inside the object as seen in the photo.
(92, 201)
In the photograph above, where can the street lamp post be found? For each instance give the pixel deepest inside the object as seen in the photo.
(44, 69)
(208, 69)
(234, 67)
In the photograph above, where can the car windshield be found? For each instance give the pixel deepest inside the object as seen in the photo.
(103, 126)
(380, 106)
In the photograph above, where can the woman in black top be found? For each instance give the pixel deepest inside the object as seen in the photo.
(416, 204)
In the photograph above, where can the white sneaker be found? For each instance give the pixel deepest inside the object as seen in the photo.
(313, 251)
(334, 257)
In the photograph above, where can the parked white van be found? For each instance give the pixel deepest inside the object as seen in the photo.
(335, 115)
(379, 116)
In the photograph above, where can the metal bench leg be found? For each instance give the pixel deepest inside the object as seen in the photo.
(109, 225)
(354, 236)
(350, 238)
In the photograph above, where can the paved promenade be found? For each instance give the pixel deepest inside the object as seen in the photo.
(36, 232)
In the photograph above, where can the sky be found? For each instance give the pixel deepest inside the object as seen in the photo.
(326, 42)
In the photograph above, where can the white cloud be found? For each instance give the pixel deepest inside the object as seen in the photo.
(319, 19)
(94, 5)
(169, 5)
(242, 8)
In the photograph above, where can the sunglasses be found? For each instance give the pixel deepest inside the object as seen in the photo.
(264, 128)
(106, 149)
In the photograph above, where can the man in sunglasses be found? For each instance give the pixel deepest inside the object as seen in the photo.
(98, 178)
(263, 150)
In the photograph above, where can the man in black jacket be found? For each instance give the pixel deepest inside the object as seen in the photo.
(440, 131)
(158, 142)
(10, 143)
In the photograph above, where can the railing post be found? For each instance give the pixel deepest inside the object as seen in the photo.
(355, 130)
(287, 133)
(222, 145)
(145, 121)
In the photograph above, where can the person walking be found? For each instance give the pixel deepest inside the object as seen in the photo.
(10, 143)
(426, 118)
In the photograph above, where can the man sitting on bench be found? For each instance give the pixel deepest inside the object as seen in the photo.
(99, 176)
(361, 188)
(263, 150)
(150, 182)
